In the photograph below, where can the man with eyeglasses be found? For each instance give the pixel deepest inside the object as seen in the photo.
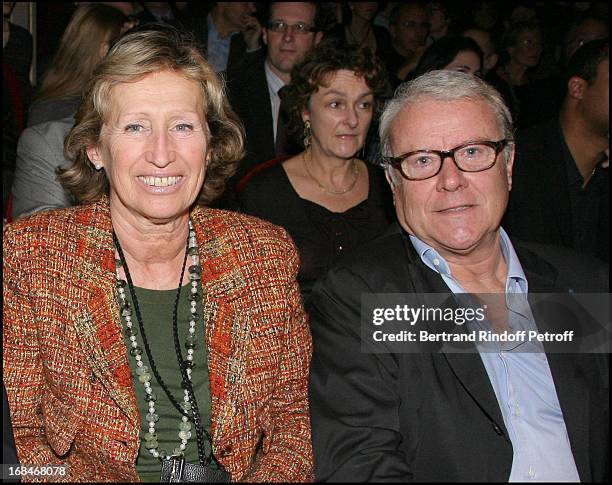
(291, 31)
(507, 412)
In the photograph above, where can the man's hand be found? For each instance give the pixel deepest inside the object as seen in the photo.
(251, 33)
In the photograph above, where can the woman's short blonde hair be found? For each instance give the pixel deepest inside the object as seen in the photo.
(152, 48)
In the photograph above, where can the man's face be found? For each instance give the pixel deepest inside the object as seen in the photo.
(410, 31)
(595, 103)
(286, 49)
(455, 212)
(236, 13)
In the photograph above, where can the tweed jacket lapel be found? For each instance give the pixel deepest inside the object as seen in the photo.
(97, 318)
(223, 282)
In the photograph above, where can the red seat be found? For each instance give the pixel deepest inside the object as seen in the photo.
(242, 183)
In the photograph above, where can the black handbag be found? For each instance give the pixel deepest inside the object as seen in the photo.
(177, 470)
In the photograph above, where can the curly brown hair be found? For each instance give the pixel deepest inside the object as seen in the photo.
(143, 51)
(329, 57)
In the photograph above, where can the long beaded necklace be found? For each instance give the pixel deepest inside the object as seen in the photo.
(188, 408)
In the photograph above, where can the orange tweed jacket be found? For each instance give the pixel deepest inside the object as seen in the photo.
(66, 368)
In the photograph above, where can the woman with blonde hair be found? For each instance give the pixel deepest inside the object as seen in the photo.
(90, 32)
(146, 336)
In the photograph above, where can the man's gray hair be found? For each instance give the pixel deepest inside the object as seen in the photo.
(445, 86)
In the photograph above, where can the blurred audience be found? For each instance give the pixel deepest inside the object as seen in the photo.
(561, 185)
(358, 27)
(16, 92)
(16, 50)
(515, 13)
(409, 28)
(332, 201)
(231, 31)
(40, 153)
(485, 15)
(486, 43)
(522, 47)
(585, 28)
(453, 54)
(439, 21)
(384, 12)
(92, 29)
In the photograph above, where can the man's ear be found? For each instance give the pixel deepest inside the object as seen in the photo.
(491, 61)
(264, 35)
(390, 179)
(509, 168)
(575, 87)
(318, 37)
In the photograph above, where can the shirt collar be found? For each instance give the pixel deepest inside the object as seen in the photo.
(516, 276)
(274, 82)
(213, 33)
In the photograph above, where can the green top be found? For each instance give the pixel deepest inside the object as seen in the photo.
(156, 307)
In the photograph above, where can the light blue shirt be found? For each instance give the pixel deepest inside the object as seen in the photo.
(217, 48)
(521, 380)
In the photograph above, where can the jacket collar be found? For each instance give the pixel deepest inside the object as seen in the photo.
(468, 367)
(223, 282)
(98, 319)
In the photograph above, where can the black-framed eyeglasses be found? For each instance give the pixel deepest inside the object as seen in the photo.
(297, 28)
(474, 156)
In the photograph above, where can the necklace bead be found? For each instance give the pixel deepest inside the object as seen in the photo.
(142, 371)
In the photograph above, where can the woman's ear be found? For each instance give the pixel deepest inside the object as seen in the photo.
(93, 153)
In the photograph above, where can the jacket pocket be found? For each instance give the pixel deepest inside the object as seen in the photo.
(61, 422)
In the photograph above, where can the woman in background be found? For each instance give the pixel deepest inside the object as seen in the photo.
(453, 54)
(92, 29)
(327, 197)
(529, 100)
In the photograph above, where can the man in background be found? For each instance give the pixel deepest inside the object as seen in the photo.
(292, 29)
(561, 185)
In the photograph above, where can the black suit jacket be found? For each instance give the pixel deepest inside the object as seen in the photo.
(250, 99)
(434, 416)
(539, 206)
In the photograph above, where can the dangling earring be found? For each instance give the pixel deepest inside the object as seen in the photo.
(307, 135)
